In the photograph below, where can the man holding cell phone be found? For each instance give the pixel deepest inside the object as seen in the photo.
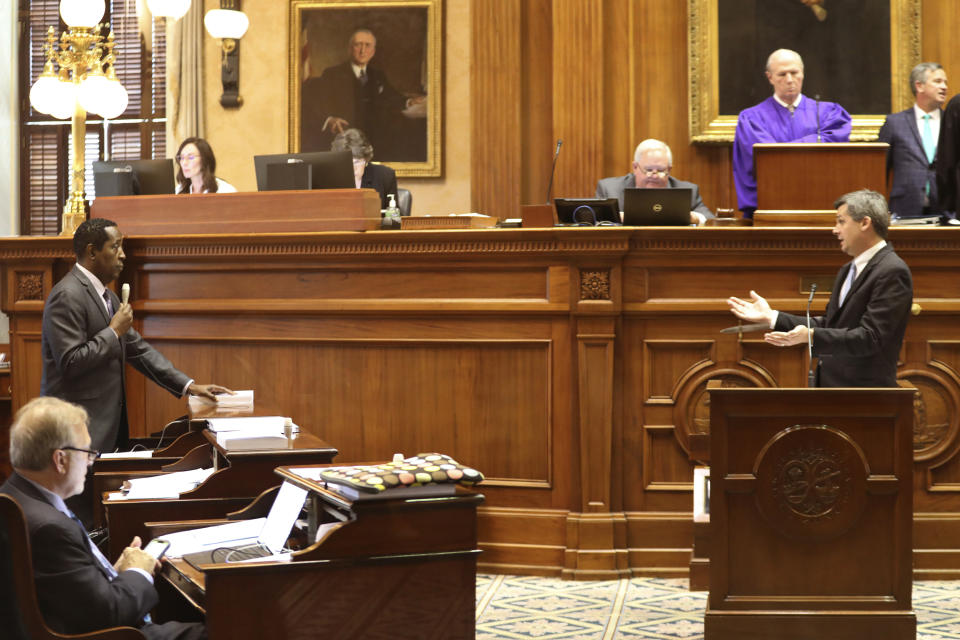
(78, 590)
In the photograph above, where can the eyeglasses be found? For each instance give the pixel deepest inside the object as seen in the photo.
(92, 454)
(189, 157)
(655, 172)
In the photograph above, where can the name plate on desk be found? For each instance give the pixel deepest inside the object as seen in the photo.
(255, 212)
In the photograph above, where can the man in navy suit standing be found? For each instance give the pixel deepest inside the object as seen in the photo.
(912, 135)
(857, 341)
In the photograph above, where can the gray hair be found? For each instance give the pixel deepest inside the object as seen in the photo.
(651, 144)
(362, 30)
(354, 141)
(41, 426)
(866, 203)
(784, 53)
(921, 72)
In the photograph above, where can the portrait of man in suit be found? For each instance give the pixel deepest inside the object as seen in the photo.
(366, 69)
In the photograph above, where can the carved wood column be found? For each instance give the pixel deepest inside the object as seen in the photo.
(578, 54)
(596, 534)
(496, 126)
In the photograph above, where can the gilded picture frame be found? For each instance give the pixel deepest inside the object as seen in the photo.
(708, 125)
(399, 104)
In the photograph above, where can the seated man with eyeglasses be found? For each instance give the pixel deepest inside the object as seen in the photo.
(78, 590)
(652, 162)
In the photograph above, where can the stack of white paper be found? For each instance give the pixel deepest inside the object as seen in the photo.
(249, 434)
(142, 453)
(259, 424)
(167, 485)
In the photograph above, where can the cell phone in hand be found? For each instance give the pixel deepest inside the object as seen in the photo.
(157, 547)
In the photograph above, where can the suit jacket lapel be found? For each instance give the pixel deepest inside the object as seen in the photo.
(862, 277)
(28, 489)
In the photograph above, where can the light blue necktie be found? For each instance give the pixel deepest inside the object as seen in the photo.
(845, 289)
(929, 144)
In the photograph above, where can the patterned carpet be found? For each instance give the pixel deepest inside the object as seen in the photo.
(548, 609)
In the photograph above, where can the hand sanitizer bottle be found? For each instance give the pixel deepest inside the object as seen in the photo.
(392, 216)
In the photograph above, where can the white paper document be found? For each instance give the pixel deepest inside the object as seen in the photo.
(144, 453)
(167, 485)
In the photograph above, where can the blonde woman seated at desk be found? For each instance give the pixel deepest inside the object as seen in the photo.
(196, 169)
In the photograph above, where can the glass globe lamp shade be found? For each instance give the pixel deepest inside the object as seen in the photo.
(115, 100)
(81, 13)
(93, 93)
(173, 9)
(64, 101)
(44, 92)
(226, 23)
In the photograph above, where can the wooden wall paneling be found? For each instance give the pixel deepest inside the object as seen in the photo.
(578, 95)
(620, 60)
(536, 133)
(495, 84)
(940, 23)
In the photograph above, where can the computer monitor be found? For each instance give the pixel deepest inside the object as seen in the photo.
(329, 169)
(146, 177)
(587, 211)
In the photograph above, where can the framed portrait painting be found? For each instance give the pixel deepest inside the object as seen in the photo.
(857, 53)
(373, 66)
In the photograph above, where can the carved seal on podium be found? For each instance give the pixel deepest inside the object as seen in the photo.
(811, 482)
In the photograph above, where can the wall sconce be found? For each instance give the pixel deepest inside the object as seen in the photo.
(228, 24)
(86, 81)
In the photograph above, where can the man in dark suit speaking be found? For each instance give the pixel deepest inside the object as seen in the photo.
(652, 162)
(87, 338)
(78, 590)
(858, 339)
(912, 135)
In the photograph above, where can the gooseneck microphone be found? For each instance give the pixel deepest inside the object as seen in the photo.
(811, 374)
(553, 169)
(816, 100)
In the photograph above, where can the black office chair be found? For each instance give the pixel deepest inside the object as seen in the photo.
(404, 201)
(20, 617)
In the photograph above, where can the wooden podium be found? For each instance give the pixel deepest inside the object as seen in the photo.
(797, 183)
(811, 513)
(255, 212)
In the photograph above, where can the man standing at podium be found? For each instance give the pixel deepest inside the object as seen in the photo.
(912, 136)
(858, 339)
(87, 339)
(787, 116)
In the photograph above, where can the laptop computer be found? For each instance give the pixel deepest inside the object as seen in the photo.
(245, 539)
(656, 207)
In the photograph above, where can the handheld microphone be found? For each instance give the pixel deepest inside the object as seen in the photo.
(125, 293)
(816, 100)
(811, 374)
(553, 169)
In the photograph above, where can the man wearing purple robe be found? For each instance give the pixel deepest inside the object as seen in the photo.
(786, 116)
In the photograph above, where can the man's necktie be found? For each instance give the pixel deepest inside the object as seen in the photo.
(106, 298)
(929, 144)
(93, 548)
(363, 76)
(845, 289)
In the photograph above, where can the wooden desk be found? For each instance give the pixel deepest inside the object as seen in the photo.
(568, 365)
(240, 476)
(390, 568)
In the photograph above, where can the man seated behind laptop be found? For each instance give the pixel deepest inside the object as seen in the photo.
(652, 162)
(78, 590)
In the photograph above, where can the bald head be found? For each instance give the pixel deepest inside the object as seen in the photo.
(785, 73)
